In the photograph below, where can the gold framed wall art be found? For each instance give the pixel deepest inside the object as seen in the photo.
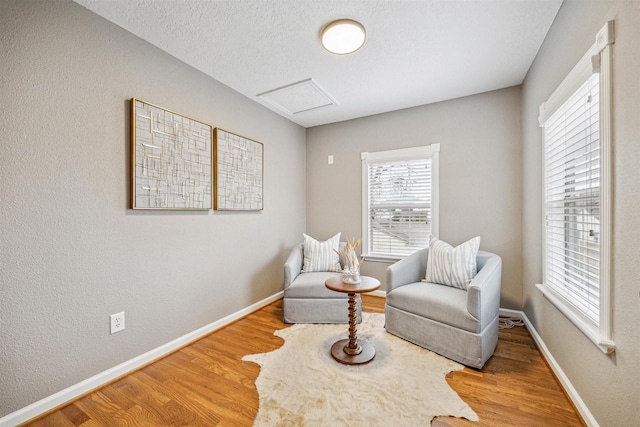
(171, 160)
(238, 164)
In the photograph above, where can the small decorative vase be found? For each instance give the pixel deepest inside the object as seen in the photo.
(351, 275)
(351, 271)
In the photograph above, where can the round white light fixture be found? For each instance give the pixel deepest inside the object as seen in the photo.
(343, 36)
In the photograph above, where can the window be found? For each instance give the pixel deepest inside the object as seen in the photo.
(572, 202)
(399, 201)
(577, 193)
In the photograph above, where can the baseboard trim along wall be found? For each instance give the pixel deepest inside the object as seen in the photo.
(577, 401)
(73, 392)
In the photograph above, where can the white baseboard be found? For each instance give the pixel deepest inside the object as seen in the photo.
(96, 381)
(587, 416)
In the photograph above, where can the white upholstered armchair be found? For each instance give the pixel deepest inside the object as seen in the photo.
(307, 299)
(456, 323)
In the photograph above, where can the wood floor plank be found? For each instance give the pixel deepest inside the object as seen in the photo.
(75, 415)
(56, 419)
(208, 384)
(203, 411)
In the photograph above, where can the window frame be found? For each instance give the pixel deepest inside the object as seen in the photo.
(598, 59)
(415, 153)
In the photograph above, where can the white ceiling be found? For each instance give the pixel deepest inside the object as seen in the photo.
(417, 52)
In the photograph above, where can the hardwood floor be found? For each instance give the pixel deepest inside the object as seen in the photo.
(207, 384)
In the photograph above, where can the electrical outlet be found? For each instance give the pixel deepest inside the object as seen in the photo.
(117, 322)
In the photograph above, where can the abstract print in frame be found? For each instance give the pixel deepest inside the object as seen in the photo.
(239, 172)
(171, 160)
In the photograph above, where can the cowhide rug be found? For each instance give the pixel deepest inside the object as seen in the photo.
(300, 384)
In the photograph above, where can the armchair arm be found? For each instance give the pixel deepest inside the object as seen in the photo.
(408, 270)
(483, 293)
(293, 265)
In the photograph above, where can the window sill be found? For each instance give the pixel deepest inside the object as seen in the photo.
(382, 258)
(591, 331)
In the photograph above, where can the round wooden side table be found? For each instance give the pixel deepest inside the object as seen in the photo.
(350, 351)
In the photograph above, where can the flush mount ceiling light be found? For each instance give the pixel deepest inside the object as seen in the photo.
(343, 36)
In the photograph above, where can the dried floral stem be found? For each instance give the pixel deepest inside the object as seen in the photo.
(350, 247)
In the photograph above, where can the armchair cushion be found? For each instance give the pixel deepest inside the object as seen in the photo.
(443, 304)
(452, 266)
(321, 256)
(311, 285)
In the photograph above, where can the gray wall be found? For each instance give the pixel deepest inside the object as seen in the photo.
(609, 385)
(480, 177)
(72, 253)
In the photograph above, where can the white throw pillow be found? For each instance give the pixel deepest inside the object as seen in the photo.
(451, 266)
(321, 256)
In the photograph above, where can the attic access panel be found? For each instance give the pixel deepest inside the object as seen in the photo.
(298, 97)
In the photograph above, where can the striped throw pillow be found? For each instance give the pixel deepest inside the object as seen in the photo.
(321, 256)
(451, 266)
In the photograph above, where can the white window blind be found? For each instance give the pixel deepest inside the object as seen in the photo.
(572, 205)
(578, 193)
(398, 202)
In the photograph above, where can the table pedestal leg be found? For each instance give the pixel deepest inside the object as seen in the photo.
(350, 351)
(352, 346)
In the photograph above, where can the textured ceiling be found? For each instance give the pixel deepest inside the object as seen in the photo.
(416, 52)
